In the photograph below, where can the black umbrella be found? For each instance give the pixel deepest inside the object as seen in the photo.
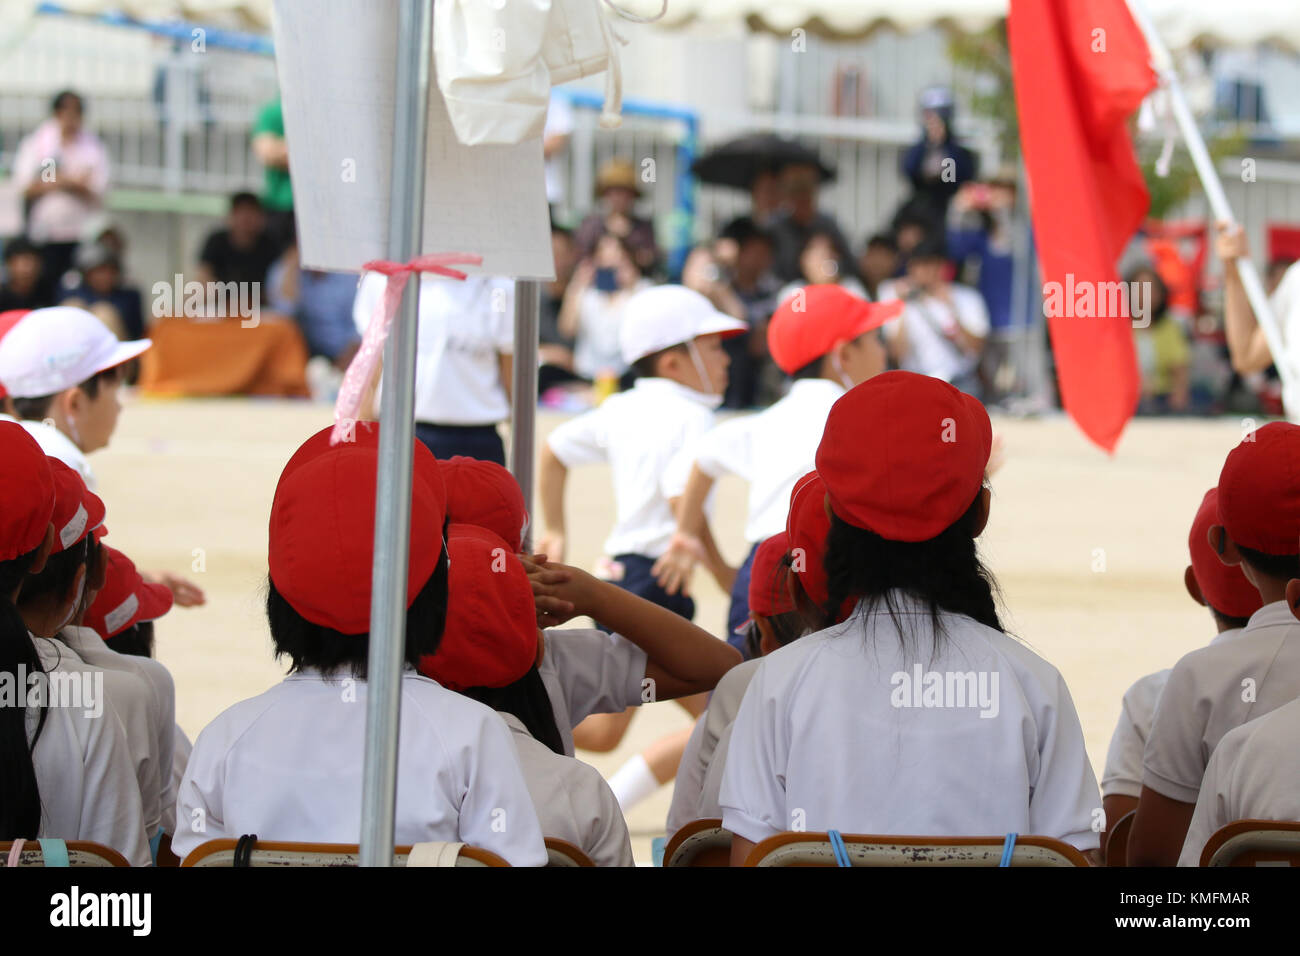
(738, 162)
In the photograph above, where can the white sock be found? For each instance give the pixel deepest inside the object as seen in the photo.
(633, 782)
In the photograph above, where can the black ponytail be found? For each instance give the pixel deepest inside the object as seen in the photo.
(20, 797)
(527, 699)
(944, 573)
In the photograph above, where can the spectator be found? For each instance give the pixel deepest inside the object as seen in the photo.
(943, 326)
(1164, 354)
(879, 261)
(750, 256)
(617, 191)
(820, 264)
(555, 350)
(705, 273)
(796, 223)
(61, 170)
(102, 292)
(592, 311)
(25, 284)
(937, 165)
(912, 225)
(243, 251)
(272, 151)
(320, 302)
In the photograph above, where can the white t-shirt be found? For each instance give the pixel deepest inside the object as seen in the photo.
(1253, 774)
(1286, 309)
(464, 329)
(771, 450)
(61, 215)
(58, 445)
(181, 750)
(572, 800)
(644, 434)
(1216, 688)
(923, 320)
(597, 348)
(287, 765)
(559, 122)
(1123, 773)
(586, 672)
(843, 730)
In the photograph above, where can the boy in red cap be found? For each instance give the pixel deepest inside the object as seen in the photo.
(1232, 600)
(485, 494)
(287, 764)
(1216, 688)
(489, 652)
(954, 726)
(67, 772)
(828, 340)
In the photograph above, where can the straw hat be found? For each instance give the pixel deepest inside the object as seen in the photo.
(617, 174)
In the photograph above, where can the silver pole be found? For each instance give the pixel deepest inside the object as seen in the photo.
(523, 391)
(1163, 65)
(393, 501)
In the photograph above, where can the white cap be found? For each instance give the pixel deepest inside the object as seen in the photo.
(668, 315)
(51, 350)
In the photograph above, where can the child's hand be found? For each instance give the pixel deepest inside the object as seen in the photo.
(674, 568)
(550, 547)
(552, 609)
(184, 592)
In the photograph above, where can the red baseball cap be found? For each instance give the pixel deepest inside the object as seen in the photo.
(1223, 586)
(815, 319)
(768, 592)
(485, 494)
(77, 510)
(26, 492)
(125, 599)
(904, 454)
(7, 321)
(491, 635)
(806, 528)
(322, 532)
(1259, 490)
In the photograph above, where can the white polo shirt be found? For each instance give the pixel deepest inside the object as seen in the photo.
(1286, 309)
(464, 329)
(1216, 688)
(1253, 774)
(771, 450)
(643, 434)
(287, 765)
(58, 445)
(87, 779)
(1123, 773)
(843, 730)
(923, 322)
(572, 800)
(587, 672)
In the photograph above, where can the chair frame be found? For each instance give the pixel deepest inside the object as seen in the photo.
(1117, 840)
(81, 853)
(563, 854)
(697, 845)
(868, 850)
(1241, 837)
(289, 853)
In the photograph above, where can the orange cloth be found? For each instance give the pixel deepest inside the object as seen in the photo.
(221, 357)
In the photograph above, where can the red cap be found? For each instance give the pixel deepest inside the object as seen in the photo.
(1259, 490)
(491, 634)
(814, 320)
(806, 528)
(485, 494)
(77, 510)
(904, 454)
(7, 321)
(26, 492)
(125, 599)
(1223, 586)
(768, 592)
(322, 532)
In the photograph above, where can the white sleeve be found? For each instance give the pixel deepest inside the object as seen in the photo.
(164, 695)
(972, 313)
(26, 164)
(1212, 811)
(200, 797)
(711, 791)
(672, 483)
(502, 324)
(1122, 775)
(129, 696)
(111, 809)
(752, 795)
(608, 842)
(727, 449)
(1064, 801)
(599, 673)
(496, 812)
(1173, 762)
(581, 440)
(688, 783)
(368, 295)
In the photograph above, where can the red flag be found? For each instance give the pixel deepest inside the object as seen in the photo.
(1081, 68)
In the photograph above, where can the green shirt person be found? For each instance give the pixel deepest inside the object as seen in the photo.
(272, 151)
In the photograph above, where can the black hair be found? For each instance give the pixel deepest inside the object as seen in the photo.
(945, 573)
(816, 233)
(20, 246)
(1227, 620)
(931, 247)
(1159, 291)
(61, 98)
(20, 796)
(812, 370)
(883, 239)
(38, 409)
(645, 366)
(788, 626)
(136, 640)
(55, 580)
(315, 646)
(244, 199)
(1283, 567)
(527, 699)
(743, 229)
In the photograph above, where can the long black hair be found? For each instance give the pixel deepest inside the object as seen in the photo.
(527, 699)
(945, 573)
(20, 796)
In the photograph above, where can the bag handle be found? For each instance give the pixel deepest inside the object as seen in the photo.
(1008, 848)
(839, 849)
(55, 852)
(434, 854)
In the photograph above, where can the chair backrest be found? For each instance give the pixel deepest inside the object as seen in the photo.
(563, 853)
(699, 843)
(1117, 840)
(221, 853)
(80, 853)
(1254, 843)
(815, 849)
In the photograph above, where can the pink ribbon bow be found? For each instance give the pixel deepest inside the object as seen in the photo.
(363, 364)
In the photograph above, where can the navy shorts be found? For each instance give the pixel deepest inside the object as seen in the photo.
(738, 613)
(638, 580)
(472, 441)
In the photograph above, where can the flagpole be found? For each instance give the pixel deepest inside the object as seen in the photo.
(1163, 65)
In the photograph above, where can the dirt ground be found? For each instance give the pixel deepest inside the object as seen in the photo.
(1089, 550)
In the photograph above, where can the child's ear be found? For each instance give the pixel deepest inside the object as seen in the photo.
(1194, 587)
(541, 647)
(43, 552)
(985, 505)
(1293, 596)
(767, 641)
(1223, 545)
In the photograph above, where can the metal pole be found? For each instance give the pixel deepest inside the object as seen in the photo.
(393, 500)
(523, 391)
(1163, 65)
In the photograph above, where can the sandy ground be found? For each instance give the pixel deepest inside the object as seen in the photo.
(1089, 551)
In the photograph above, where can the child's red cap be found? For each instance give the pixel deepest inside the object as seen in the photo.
(491, 635)
(904, 454)
(814, 320)
(768, 592)
(26, 492)
(1259, 490)
(1223, 586)
(7, 321)
(77, 510)
(322, 532)
(485, 494)
(806, 528)
(126, 598)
